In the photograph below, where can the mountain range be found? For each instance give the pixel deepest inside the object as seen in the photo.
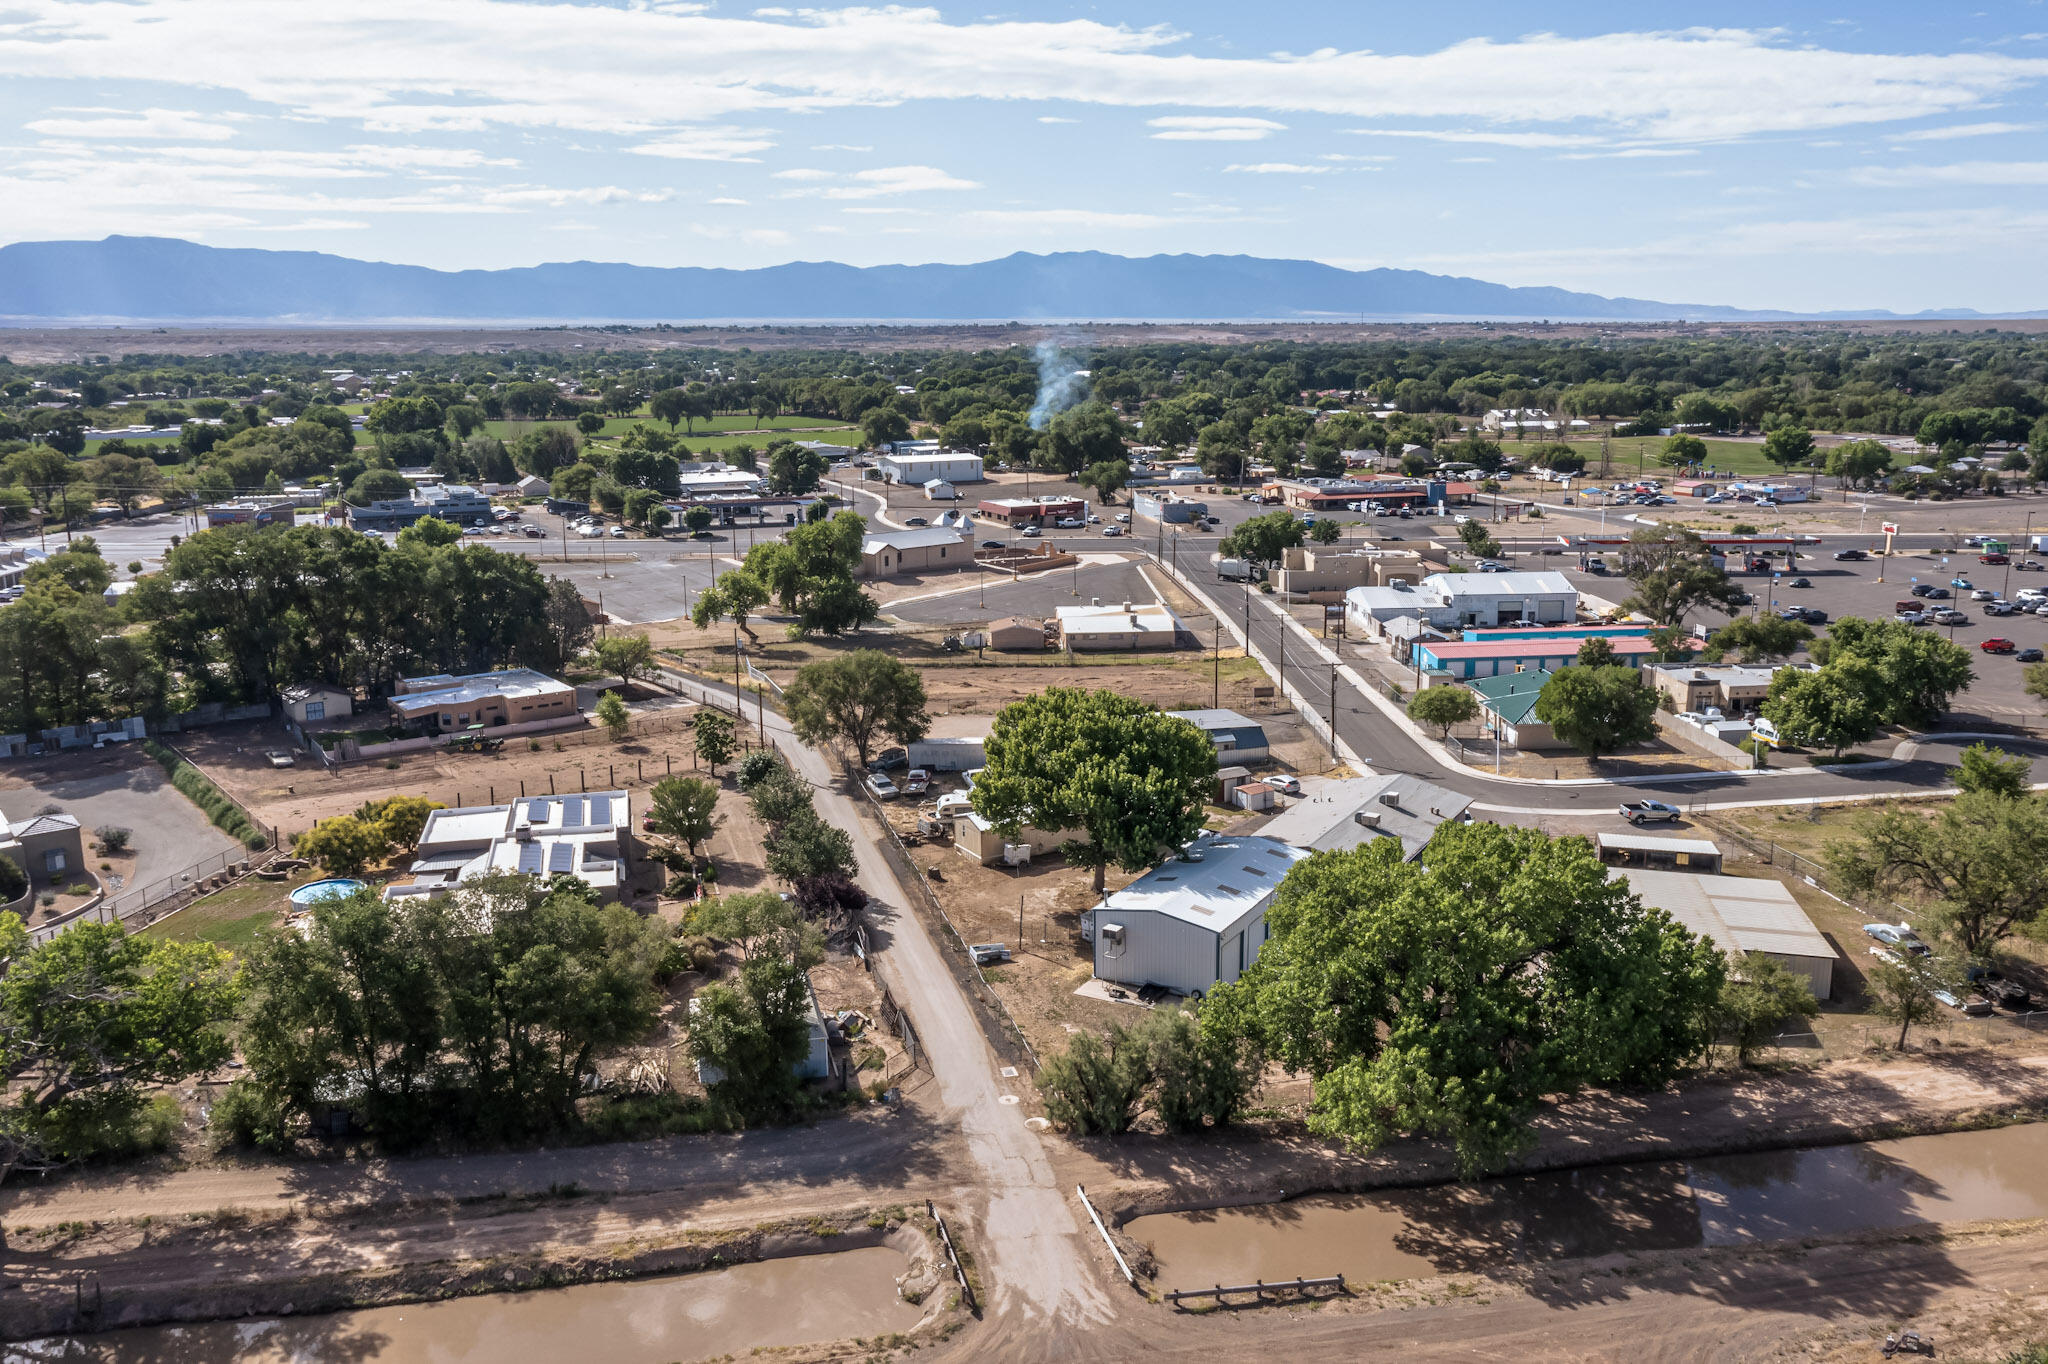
(162, 279)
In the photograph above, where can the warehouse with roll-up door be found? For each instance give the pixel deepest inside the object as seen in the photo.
(1192, 923)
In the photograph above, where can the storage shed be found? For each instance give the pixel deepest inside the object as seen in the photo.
(1742, 914)
(1238, 738)
(1253, 795)
(1650, 851)
(1017, 633)
(1194, 922)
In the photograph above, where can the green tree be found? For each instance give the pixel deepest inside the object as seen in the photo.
(1328, 532)
(737, 594)
(343, 845)
(1597, 651)
(401, 819)
(1858, 463)
(1917, 673)
(1132, 778)
(856, 697)
(1263, 539)
(697, 520)
(1450, 996)
(1789, 445)
(1673, 573)
(611, 712)
(881, 426)
(1598, 710)
(1985, 768)
(1901, 991)
(1757, 639)
(1202, 1074)
(1107, 477)
(1681, 450)
(669, 406)
(90, 1021)
(794, 470)
(749, 1037)
(806, 847)
(810, 571)
(1976, 867)
(713, 733)
(1758, 995)
(2036, 681)
(629, 656)
(1082, 437)
(1096, 1086)
(1831, 708)
(1479, 541)
(684, 808)
(760, 924)
(1443, 707)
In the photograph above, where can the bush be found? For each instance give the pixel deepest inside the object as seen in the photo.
(1094, 1087)
(13, 881)
(247, 1116)
(113, 838)
(113, 1126)
(78, 888)
(758, 766)
(640, 1117)
(194, 786)
(680, 887)
(709, 874)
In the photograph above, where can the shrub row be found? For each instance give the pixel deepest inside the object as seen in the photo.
(193, 783)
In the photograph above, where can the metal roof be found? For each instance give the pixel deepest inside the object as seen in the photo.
(1503, 584)
(445, 690)
(1326, 819)
(917, 537)
(1233, 877)
(1740, 913)
(1651, 843)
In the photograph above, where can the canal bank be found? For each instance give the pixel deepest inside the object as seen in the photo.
(63, 1292)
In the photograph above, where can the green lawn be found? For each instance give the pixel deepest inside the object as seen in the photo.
(230, 918)
(1726, 456)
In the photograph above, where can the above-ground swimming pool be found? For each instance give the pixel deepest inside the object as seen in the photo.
(333, 888)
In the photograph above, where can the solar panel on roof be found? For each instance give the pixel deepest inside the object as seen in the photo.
(529, 858)
(572, 812)
(537, 811)
(561, 858)
(600, 811)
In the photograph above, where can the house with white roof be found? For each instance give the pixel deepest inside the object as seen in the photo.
(1195, 922)
(587, 836)
(913, 550)
(511, 696)
(1124, 625)
(1338, 816)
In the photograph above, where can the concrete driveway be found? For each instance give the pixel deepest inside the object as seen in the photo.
(120, 786)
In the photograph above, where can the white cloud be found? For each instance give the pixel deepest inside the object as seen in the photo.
(1497, 139)
(885, 180)
(1347, 156)
(1055, 118)
(170, 124)
(1629, 153)
(801, 173)
(1960, 173)
(1956, 130)
(736, 203)
(721, 143)
(1471, 160)
(1205, 128)
(1276, 168)
(840, 147)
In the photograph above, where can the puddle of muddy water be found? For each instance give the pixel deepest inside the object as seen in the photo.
(648, 1321)
(1723, 1200)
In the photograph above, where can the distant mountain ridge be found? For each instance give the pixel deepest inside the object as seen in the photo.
(164, 279)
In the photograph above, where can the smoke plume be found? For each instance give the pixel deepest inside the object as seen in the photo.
(1061, 384)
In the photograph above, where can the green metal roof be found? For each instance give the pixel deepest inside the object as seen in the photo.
(1511, 696)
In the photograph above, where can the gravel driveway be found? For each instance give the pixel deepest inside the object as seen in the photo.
(117, 786)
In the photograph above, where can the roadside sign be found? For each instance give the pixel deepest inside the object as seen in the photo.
(1890, 527)
(1262, 693)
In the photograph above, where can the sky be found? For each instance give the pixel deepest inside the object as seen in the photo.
(1876, 155)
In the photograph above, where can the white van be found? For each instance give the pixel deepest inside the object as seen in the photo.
(1766, 732)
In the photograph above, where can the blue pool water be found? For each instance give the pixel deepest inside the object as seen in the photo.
(333, 888)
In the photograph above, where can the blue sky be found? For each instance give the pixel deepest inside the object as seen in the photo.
(1883, 155)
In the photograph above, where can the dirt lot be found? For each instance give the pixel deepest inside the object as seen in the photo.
(116, 786)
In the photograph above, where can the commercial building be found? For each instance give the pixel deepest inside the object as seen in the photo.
(1018, 633)
(1507, 710)
(585, 836)
(1037, 511)
(1238, 738)
(1128, 625)
(513, 696)
(1652, 853)
(1447, 600)
(720, 481)
(1742, 914)
(1172, 508)
(1491, 657)
(1732, 690)
(50, 848)
(915, 550)
(952, 466)
(1340, 815)
(455, 502)
(1192, 923)
(1337, 494)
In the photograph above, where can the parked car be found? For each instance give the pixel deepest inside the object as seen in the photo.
(1112, 530)
(1123, 518)
(1850, 556)
(1949, 616)
(1813, 615)
(533, 532)
(1029, 532)
(278, 757)
(2030, 595)
(617, 532)
(915, 521)
(1963, 583)
(1923, 589)
(1070, 523)
(1492, 566)
(2027, 656)
(916, 781)
(2028, 565)
(991, 544)
(1792, 613)
(1983, 594)
(1284, 784)
(1718, 498)
(2000, 608)
(1800, 582)
(1648, 812)
(1999, 644)
(881, 787)
(1899, 936)
(888, 760)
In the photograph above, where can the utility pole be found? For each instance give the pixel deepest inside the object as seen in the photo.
(1216, 658)
(1333, 712)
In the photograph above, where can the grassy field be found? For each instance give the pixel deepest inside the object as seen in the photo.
(1626, 452)
(230, 918)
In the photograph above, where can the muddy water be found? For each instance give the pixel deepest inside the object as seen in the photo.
(1725, 1200)
(649, 1321)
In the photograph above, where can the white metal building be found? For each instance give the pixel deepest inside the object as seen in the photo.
(1741, 914)
(1127, 625)
(1498, 598)
(951, 465)
(1194, 922)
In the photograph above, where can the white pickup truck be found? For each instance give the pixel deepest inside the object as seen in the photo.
(1648, 812)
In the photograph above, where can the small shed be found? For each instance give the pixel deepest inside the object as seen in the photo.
(1228, 779)
(1017, 633)
(311, 704)
(1662, 854)
(938, 490)
(1253, 795)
